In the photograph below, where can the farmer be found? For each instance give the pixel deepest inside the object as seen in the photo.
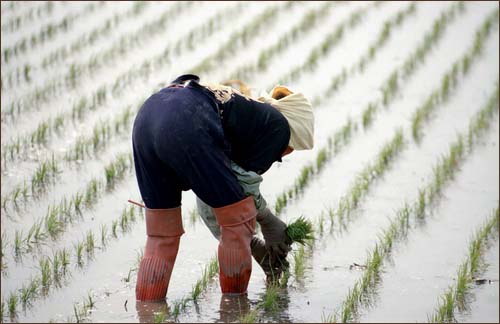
(193, 136)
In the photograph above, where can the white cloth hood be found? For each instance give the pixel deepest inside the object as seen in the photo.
(299, 114)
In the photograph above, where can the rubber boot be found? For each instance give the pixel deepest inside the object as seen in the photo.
(164, 229)
(237, 224)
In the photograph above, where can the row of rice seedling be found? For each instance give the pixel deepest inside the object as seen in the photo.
(72, 77)
(53, 269)
(346, 204)
(85, 146)
(44, 174)
(15, 23)
(100, 135)
(383, 36)
(358, 189)
(343, 212)
(88, 146)
(393, 83)
(449, 81)
(97, 139)
(12, 7)
(350, 202)
(311, 19)
(329, 42)
(241, 37)
(209, 272)
(81, 310)
(399, 227)
(47, 33)
(182, 303)
(23, 74)
(12, 150)
(19, 146)
(61, 54)
(454, 299)
(335, 143)
(77, 200)
(68, 209)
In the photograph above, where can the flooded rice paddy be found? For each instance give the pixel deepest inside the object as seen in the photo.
(401, 185)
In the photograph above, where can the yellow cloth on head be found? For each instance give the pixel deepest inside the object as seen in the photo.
(299, 114)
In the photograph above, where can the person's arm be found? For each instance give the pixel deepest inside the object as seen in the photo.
(273, 229)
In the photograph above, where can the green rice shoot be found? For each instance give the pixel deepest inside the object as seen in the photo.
(300, 231)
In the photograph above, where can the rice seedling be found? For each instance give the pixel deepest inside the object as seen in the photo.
(79, 253)
(64, 257)
(90, 242)
(250, 317)
(104, 235)
(56, 266)
(79, 312)
(12, 304)
(321, 225)
(300, 231)
(461, 285)
(53, 225)
(27, 293)
(114, 225)
(270, 299)
(421, 203)
(129, 275)
(18, 242)
(208, 273)
(178, 306)
(124, 221)
(368, 114)
(45, 272)
(298, 258)
(160, 317)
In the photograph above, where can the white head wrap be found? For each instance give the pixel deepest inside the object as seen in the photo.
(299, 114)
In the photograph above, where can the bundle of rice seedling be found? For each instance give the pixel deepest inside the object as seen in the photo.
(300, 231)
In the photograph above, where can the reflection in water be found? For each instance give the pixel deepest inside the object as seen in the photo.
(280, 314)
(232, 307)
(146, 310)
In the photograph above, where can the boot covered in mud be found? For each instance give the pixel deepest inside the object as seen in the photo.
(164, 229)
(237, 224)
